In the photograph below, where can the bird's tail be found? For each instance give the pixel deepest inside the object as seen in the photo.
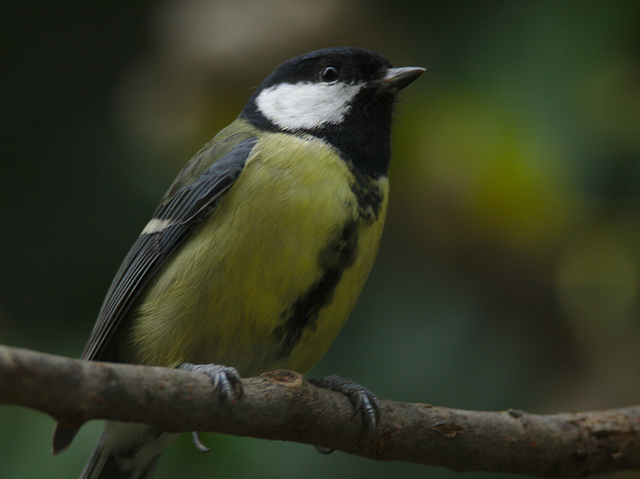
(126, 451)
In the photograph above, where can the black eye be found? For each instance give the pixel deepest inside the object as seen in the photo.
(329, 74)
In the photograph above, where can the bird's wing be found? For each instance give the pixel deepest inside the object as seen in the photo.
(186, 204)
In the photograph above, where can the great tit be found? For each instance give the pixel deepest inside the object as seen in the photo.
(260, 247)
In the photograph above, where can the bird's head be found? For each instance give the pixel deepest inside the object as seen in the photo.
(342, 95)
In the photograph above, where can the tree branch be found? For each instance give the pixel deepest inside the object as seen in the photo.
(282, 405)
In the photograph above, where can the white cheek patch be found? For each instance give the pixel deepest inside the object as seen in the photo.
(306, 105)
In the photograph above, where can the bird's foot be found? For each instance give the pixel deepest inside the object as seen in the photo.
(364, 402)
(224, 379)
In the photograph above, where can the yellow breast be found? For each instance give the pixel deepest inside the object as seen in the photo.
(269, 279)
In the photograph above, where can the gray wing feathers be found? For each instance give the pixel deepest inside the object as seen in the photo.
(180, 214)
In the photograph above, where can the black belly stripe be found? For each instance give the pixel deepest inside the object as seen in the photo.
(339, 255)
(369, 197)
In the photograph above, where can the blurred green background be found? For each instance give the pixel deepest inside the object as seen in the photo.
(509, 273)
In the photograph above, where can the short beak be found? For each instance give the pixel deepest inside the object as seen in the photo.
(398, 78)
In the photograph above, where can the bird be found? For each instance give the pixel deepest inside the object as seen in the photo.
(260, 247)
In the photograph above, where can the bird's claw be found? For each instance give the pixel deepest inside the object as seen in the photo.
(197, 442)
(224, 379)
(364, 401)
(324, 450)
